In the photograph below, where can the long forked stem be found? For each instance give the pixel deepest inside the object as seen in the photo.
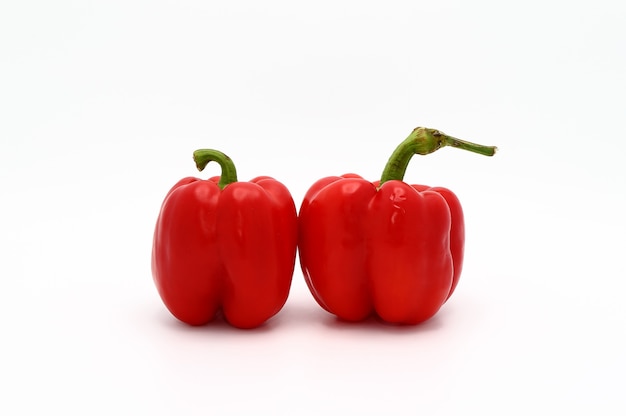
(423, 141)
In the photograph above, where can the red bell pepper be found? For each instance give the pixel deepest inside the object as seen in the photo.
(223, 245)
(384, 248)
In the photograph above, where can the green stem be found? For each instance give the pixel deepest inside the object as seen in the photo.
(202, 157)
(423, 141)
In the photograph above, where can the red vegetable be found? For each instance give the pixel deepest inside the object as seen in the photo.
(225, 245)
(385, 248)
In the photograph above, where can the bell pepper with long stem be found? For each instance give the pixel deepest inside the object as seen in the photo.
(384, 248)
(225, 246)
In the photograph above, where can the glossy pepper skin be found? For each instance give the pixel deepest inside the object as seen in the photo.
(383, 248)
(230, 250)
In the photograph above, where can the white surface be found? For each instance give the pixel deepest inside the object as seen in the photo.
(102, 104)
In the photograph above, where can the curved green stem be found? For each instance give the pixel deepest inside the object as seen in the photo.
(202, 157)
(423, 141)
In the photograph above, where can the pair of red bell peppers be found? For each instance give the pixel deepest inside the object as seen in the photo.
(381, 248)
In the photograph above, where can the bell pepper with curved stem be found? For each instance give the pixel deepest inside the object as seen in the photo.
(224, 245)
(384, 248)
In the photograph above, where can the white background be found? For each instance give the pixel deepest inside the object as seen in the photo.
(103, 103)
